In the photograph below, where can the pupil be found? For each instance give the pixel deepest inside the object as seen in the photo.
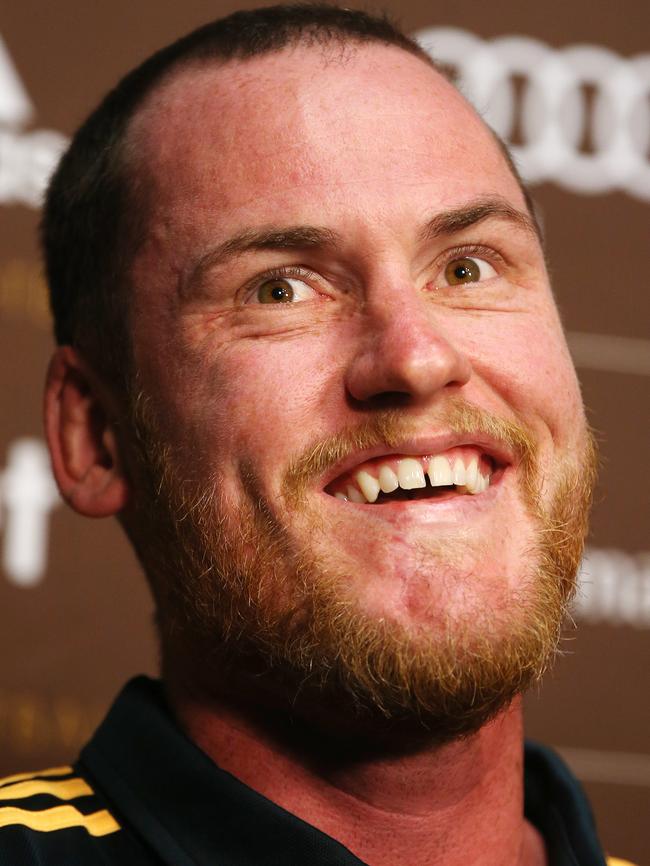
(279, 293)
(461, 272)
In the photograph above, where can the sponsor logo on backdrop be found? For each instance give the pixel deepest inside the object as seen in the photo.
(614, 587)
(578, 116)
(27, 159)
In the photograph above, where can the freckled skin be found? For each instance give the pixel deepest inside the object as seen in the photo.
(265, 143)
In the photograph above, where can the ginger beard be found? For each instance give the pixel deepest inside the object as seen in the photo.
(245, 605)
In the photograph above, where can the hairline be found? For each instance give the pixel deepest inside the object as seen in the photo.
(125, 160)
(128, 170)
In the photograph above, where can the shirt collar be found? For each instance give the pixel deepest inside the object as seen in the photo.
(186, 808)
(190, 811)
(556, 804)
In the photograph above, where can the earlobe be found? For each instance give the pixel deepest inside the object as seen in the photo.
(79, 427)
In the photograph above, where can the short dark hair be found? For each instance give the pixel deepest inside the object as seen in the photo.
(92, 214)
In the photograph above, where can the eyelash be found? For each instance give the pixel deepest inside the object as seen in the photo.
(465, 252)
(278, 274)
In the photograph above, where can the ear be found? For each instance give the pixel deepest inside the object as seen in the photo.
(80, 430)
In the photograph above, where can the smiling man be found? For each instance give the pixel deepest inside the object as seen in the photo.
(309, 355)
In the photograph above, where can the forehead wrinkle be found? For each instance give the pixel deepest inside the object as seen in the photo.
(246, 241)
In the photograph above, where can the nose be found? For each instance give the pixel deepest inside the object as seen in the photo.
(404, 354)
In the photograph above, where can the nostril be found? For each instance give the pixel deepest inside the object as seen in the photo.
(409, 368)
(382, 400)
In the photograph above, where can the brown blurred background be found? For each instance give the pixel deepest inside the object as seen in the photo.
(568, 84)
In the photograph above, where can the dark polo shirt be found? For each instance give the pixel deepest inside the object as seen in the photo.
(142, 793)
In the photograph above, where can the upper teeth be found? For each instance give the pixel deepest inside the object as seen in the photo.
(388, 481)
(369, 485)
(408, 473)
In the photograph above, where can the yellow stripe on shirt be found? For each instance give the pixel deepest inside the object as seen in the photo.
(59, 818)
(64, 789)
(19, 777)
(616, 861)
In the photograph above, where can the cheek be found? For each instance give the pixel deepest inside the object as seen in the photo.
(530, 368)
(273, 399)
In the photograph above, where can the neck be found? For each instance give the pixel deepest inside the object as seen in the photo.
(454, 804)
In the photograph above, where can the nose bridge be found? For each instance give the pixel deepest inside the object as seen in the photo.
(397, 307)
(403, 348)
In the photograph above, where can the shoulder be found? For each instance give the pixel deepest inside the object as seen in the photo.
(53, 817)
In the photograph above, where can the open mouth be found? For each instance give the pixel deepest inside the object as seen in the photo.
(465, 470)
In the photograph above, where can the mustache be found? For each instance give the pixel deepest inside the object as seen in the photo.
(390, 428)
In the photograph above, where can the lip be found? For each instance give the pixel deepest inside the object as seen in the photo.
(425, 446)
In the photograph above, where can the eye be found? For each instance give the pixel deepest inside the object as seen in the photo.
(282, 290)
(467, 270)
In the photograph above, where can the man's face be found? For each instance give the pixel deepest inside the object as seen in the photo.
(339, 277)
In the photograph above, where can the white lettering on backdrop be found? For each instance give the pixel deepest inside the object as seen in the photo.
(28, 494)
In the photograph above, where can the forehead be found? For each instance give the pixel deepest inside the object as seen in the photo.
(313, 128)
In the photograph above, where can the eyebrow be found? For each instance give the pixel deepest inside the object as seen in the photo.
(314, 237)
(292, 237)
(454, 221)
